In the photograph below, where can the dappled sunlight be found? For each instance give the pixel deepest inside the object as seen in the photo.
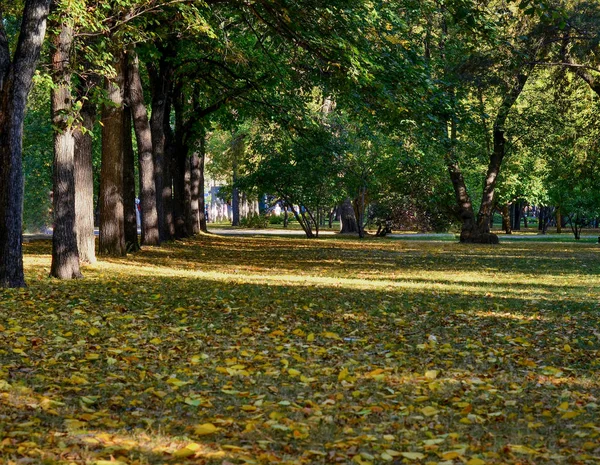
(294, 351)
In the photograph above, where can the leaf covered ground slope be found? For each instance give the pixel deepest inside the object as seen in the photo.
(256, 350)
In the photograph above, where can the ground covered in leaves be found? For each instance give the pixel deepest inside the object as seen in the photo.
(271, 350)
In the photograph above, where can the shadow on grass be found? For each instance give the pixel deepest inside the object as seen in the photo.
(128, 362)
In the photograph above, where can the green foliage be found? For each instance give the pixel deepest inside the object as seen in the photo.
(255, 221)
(37, 158)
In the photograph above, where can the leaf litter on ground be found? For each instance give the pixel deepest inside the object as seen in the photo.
(274, 350)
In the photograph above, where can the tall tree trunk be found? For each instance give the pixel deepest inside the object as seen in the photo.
(235, 195)
(129, 206)
(180, 163)
(149, 215)
(161, 82)
(168, 171)
(496, 158)
(15, 83)
(112, 221)
(559, 221)
(200, 181)
(84, 184)
(348, 222)
(65, 258)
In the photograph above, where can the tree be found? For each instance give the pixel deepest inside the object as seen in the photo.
(16, 75)
(112, 221)
(65, 256)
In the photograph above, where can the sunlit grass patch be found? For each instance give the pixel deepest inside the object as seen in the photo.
(279, 350)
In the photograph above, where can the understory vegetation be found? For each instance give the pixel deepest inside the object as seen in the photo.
(274, 350)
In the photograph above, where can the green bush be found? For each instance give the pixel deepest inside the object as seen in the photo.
(254, 221)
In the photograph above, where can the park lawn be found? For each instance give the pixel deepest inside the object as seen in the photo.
(276, 350)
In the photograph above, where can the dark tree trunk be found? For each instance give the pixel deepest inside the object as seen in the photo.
(112, 222)
(161, 83)
(348, 223)
(516, 216)
(479, 231)
(180, 163)
(200, 182)
(129, 206)
(65, 258)
(168, 170)
(15, 83)
(193, 216)
(149, 215)
(84, 185)
(506, 219)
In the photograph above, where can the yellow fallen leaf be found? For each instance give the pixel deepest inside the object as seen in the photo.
(293, 372)
(475, 461)
(522, 449)
(187, 451)
(412, 455)
(563, 407)
(431, 374)
(310, 337)
(451, 455)
(205, 428)
(343, 374)
(429, 411)
(569, 415)
(330, 335)
(567, 348)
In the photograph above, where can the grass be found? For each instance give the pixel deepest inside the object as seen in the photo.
(278, 350)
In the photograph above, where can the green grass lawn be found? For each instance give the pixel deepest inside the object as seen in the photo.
(256, 350)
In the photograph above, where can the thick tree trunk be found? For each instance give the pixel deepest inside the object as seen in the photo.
(235, 201)
(129, 206)
(15, 83)
(149, 215)
(65, 258)
(112, 221)
(348, 223)
(84, 185)
(161, 83)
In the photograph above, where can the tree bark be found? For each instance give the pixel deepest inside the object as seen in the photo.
(235, 195)
(200, 181)
(506, 219)
(84, 185)
(15, 83)
(149, 215)
(348, 218)
(112, 221)
(129, 206)
(65, 257)
(161, 83)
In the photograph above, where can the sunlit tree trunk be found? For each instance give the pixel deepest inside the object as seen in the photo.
(65, 257)
(112, 221)
(84, 184)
